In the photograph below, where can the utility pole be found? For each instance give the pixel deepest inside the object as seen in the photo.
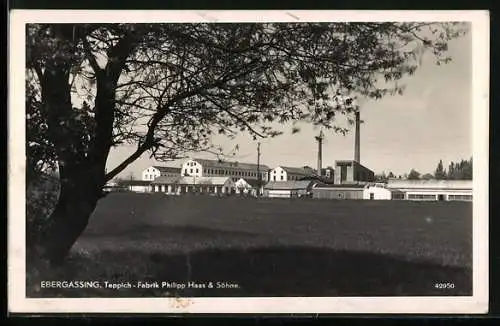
(259, 179)
(319, 139)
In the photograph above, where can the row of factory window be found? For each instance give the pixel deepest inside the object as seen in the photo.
(282, 178)
(421, 197)
(398, 196)
(152, 176)
(149, 176)
(193, 188)
(224, 172)
(191, 170)
(401, 196)
(460, 197)
(439, 197)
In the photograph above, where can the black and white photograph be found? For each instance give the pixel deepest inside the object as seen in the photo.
(251, 161)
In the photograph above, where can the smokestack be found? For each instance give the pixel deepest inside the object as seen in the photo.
(356, 139)
(320, 152)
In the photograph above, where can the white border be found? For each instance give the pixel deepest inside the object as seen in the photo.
(478, 303)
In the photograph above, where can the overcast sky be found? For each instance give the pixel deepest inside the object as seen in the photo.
(429, 122)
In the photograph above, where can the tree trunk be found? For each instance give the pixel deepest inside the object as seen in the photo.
(77, 200)
(81, 162)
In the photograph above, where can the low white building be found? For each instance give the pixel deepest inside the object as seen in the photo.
(154, 172)
(200, 185)
(376, 191)
(249, 187)
(439, 190)
(137, 185)
(289, 189)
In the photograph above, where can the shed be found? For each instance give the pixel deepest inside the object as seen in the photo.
(137, 185)
(289, 189)
(340, 191)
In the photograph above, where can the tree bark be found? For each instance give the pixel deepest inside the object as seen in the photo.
(78, 198)
(81, 165)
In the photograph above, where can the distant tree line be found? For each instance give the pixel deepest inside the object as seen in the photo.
(460, 170)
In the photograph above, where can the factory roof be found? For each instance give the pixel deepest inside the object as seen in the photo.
(135, 183)
(376, 185)
(252, 182)
(353, 162)
(306, 170)
(429, 184)
(229, 164)
(166, 180)
(289, 185)
(167, 169)
(341, 186)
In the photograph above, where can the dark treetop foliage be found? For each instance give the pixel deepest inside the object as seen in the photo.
(440, 173)
(460, 170)
(413, 175)
(167, 88)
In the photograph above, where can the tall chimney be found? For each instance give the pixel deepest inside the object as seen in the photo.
(356, 139)
(320, 152)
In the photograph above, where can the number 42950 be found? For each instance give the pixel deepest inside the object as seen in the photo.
(444, 285)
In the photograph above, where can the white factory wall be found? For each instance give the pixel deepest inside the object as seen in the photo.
(433, 189)
(192, 168)
(423, 194)
(278, 174)
(379, 193)
(150, 174)
(280, 193)
(137, 188)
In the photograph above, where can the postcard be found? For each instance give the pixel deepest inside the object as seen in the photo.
(248, 161)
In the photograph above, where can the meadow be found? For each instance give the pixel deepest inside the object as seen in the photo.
(269, 247)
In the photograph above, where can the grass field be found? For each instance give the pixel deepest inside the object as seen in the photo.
(269, 247)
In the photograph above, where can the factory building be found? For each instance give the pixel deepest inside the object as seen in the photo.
(195, 185)
(219, 168)
(289, 189)
(338, 191)
(154, 172)
(349, 178)
(438, 190)
(284, 173)
(350, 171)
